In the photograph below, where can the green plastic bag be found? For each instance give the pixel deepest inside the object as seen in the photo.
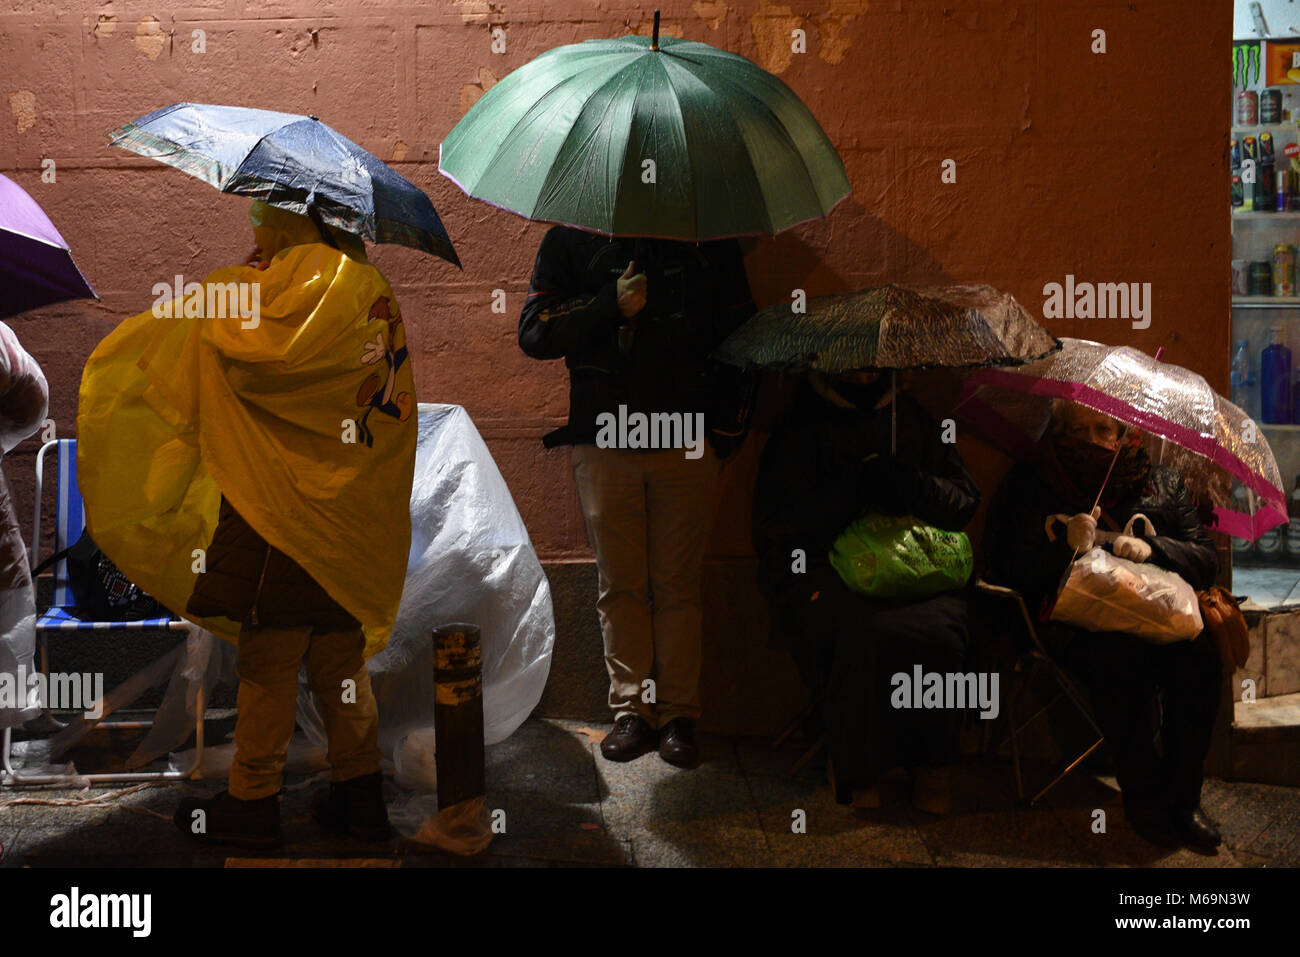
(900, 557)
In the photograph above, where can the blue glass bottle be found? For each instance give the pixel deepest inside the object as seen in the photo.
(1275, 379)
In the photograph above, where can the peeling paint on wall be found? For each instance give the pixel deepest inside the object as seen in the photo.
(712, 12)
(772, 26)
(105, 26)
(23, 105)
(474, 11)
(400, 149)
(470, 92)
(149, 38)
(646, 28)
(832, 43)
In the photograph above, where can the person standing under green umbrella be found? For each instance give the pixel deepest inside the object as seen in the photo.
(635, 324)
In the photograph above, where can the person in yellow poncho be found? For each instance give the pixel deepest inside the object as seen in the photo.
(245, 454)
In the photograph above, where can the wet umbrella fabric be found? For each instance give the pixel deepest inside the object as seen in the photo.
(626, 137)
(1193, 428)
(36, 266)
(294, 162)
(889, 328)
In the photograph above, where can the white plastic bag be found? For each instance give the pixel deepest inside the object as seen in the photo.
(1105, 593)
(470, 560)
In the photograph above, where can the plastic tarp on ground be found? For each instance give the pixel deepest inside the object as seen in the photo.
(24, 401)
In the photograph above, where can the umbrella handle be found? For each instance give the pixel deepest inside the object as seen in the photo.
(893, 412)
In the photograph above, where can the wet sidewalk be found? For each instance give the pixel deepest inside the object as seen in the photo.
(565, 805)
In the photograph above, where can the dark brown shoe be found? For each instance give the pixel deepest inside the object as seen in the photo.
(677, 743)
(631, 738)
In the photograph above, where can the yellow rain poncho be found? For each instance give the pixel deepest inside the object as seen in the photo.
(292, 397)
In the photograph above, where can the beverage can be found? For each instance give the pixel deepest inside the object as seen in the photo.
(1240, 267)
(1247, 108)
(1270, 106)
(1260, 279)
(1283, 270)
(1272, 544)
(1293, 538)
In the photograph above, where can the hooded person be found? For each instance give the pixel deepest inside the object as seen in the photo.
(830, 460)
(1043, 516)
(245, 455)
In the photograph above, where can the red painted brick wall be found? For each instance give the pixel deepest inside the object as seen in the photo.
(1108, 166)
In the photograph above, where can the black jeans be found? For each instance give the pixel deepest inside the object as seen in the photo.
(1122, 674)
(848, 647)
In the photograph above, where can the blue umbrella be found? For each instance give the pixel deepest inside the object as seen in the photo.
(36, 267)
(294, 162)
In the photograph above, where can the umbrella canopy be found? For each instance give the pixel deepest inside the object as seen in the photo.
(891, 327)
(1207, 438)
(631, 137)
(36, 267)
(294, 162)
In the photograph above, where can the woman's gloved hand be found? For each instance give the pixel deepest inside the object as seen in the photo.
(1134, 549)
(1081, 531)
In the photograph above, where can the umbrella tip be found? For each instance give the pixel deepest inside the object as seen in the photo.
(654, 40)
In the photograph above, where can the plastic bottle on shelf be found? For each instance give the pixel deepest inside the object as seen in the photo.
(1245, 387)
(1275, 379)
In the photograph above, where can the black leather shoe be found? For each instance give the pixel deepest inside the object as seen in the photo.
(355, 806)
(228, 820)
(1196, 829)
(677, 743)
(1153, 824)
(631, 738)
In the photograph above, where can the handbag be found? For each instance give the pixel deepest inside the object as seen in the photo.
(900, 557)
(99, 588)
(1106, 593)
(1225, 622)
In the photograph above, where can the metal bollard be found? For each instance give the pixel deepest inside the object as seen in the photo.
(458, 712)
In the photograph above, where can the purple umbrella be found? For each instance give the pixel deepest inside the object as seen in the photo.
(36, 267)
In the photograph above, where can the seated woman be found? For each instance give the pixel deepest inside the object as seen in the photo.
(827, 463)
(1121, 673)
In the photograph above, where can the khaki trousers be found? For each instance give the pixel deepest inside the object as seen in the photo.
(268, 663)
(648, 517)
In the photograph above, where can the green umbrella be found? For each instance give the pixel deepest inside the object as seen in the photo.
(642, 137)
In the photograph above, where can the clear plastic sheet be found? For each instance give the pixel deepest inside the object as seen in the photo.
(24, 393)
(24, 402)
(471, 560)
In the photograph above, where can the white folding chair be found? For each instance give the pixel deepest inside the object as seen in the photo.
(62, 617)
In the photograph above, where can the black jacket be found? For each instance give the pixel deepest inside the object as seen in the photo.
(1018, 553)
(248, 581)
(696, 296)
(815, 478)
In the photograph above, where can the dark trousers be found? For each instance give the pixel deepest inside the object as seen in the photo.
(1122, 674)
(848, 647)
